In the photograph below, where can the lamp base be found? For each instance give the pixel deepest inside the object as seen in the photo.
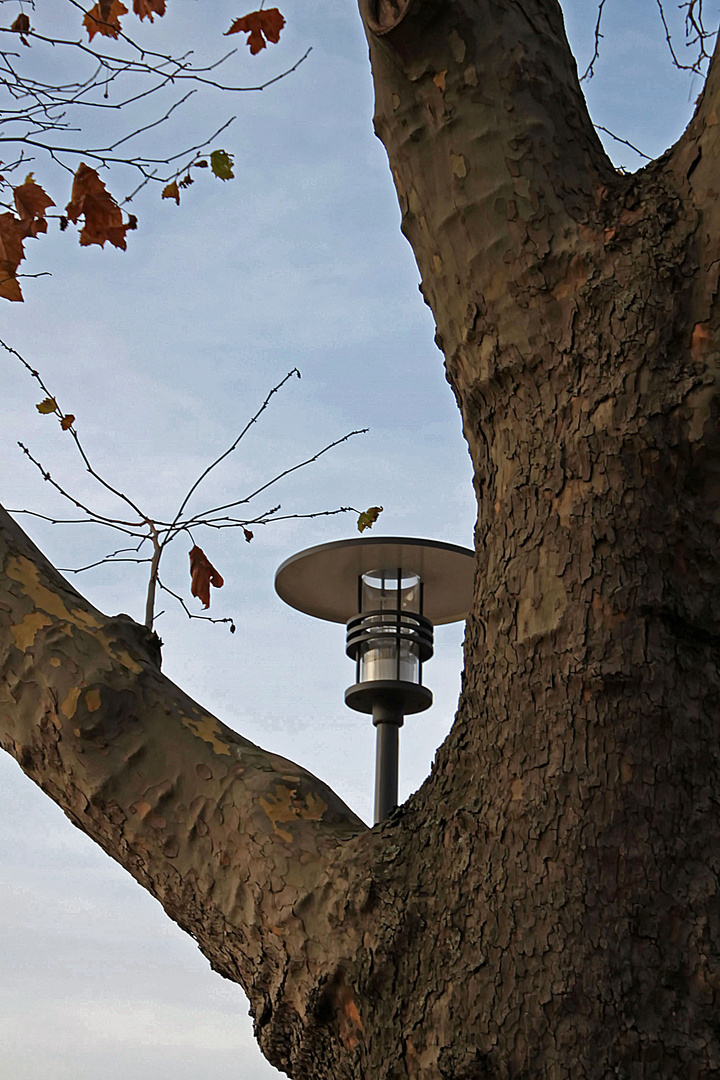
(405, 697)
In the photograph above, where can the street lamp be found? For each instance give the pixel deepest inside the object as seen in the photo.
(390, 591)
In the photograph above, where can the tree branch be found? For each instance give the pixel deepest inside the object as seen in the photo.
(490, 93)
(235, 842)
(693, 167)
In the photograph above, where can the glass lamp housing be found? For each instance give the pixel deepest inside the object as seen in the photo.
(389, 640)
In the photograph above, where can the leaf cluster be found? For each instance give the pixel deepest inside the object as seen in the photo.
(114, 73)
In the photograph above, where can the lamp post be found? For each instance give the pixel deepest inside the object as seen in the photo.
(390, 591)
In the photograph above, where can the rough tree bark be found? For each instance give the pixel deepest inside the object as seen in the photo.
(547, 905)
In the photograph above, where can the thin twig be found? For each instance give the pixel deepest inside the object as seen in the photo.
(280, 476)
(234, 446)
(191, 614)
(107, 561)
(617, 138)
(590, 70)
(161, 533)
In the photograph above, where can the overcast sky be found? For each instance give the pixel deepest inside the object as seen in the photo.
(162, 353)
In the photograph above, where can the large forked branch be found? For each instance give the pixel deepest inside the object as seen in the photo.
(228, 837)
(490, 95)
(520, 194)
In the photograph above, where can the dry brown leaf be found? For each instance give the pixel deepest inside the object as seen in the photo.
(149, 8)
(32, 202)
(11, 255)
(172, 191)
(103, 216)
(202, 575)
(259, 25)
(21, 25)
(104, 18)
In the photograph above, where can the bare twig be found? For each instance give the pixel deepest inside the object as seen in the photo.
(148, 529)
(625, 141)
(237, 442)
(590, 70)
(280, 476)
(693, 24)
(192, 614)
(107, 561)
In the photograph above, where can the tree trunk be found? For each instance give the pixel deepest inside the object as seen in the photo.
(547, 904)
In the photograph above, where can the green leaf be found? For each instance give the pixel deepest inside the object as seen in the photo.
(221, 164)
(49, 405)
(369, 517)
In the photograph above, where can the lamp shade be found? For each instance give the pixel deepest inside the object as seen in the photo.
(323, 580)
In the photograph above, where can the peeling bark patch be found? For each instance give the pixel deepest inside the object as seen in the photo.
(206, 728)
(699, 407)
(92, 700)
(458, 47)
(19, 568)
(122, 655)
(458, 165)
(350, 1026)
(26, 631)
(69, 705)
(22, 570)
(541, 602)
(577, 274)
(699, 340)
(285, 807)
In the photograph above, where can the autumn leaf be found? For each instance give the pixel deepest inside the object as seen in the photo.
(172, 192)
(149, 8)
(21, 26)
(11, 255)
(47, 405)
(202, 575)
(103, 216)
(221, 164)
(248, 534)
(369, 517)
(104, 18)
(259, 25)
(67, 421)
(32, 202)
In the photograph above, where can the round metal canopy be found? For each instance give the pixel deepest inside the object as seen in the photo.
(323, 580)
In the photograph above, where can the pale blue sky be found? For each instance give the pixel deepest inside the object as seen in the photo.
(162, 353)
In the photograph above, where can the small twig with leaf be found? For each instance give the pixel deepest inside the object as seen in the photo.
(153, 534)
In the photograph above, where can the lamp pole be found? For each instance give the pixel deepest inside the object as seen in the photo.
(388, 719)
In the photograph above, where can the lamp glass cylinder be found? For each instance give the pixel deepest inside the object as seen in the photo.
(388, 653)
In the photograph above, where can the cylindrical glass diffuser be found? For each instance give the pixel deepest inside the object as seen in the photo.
(389, 640)
(390, 649)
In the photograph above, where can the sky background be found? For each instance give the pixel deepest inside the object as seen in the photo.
(163, 353)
